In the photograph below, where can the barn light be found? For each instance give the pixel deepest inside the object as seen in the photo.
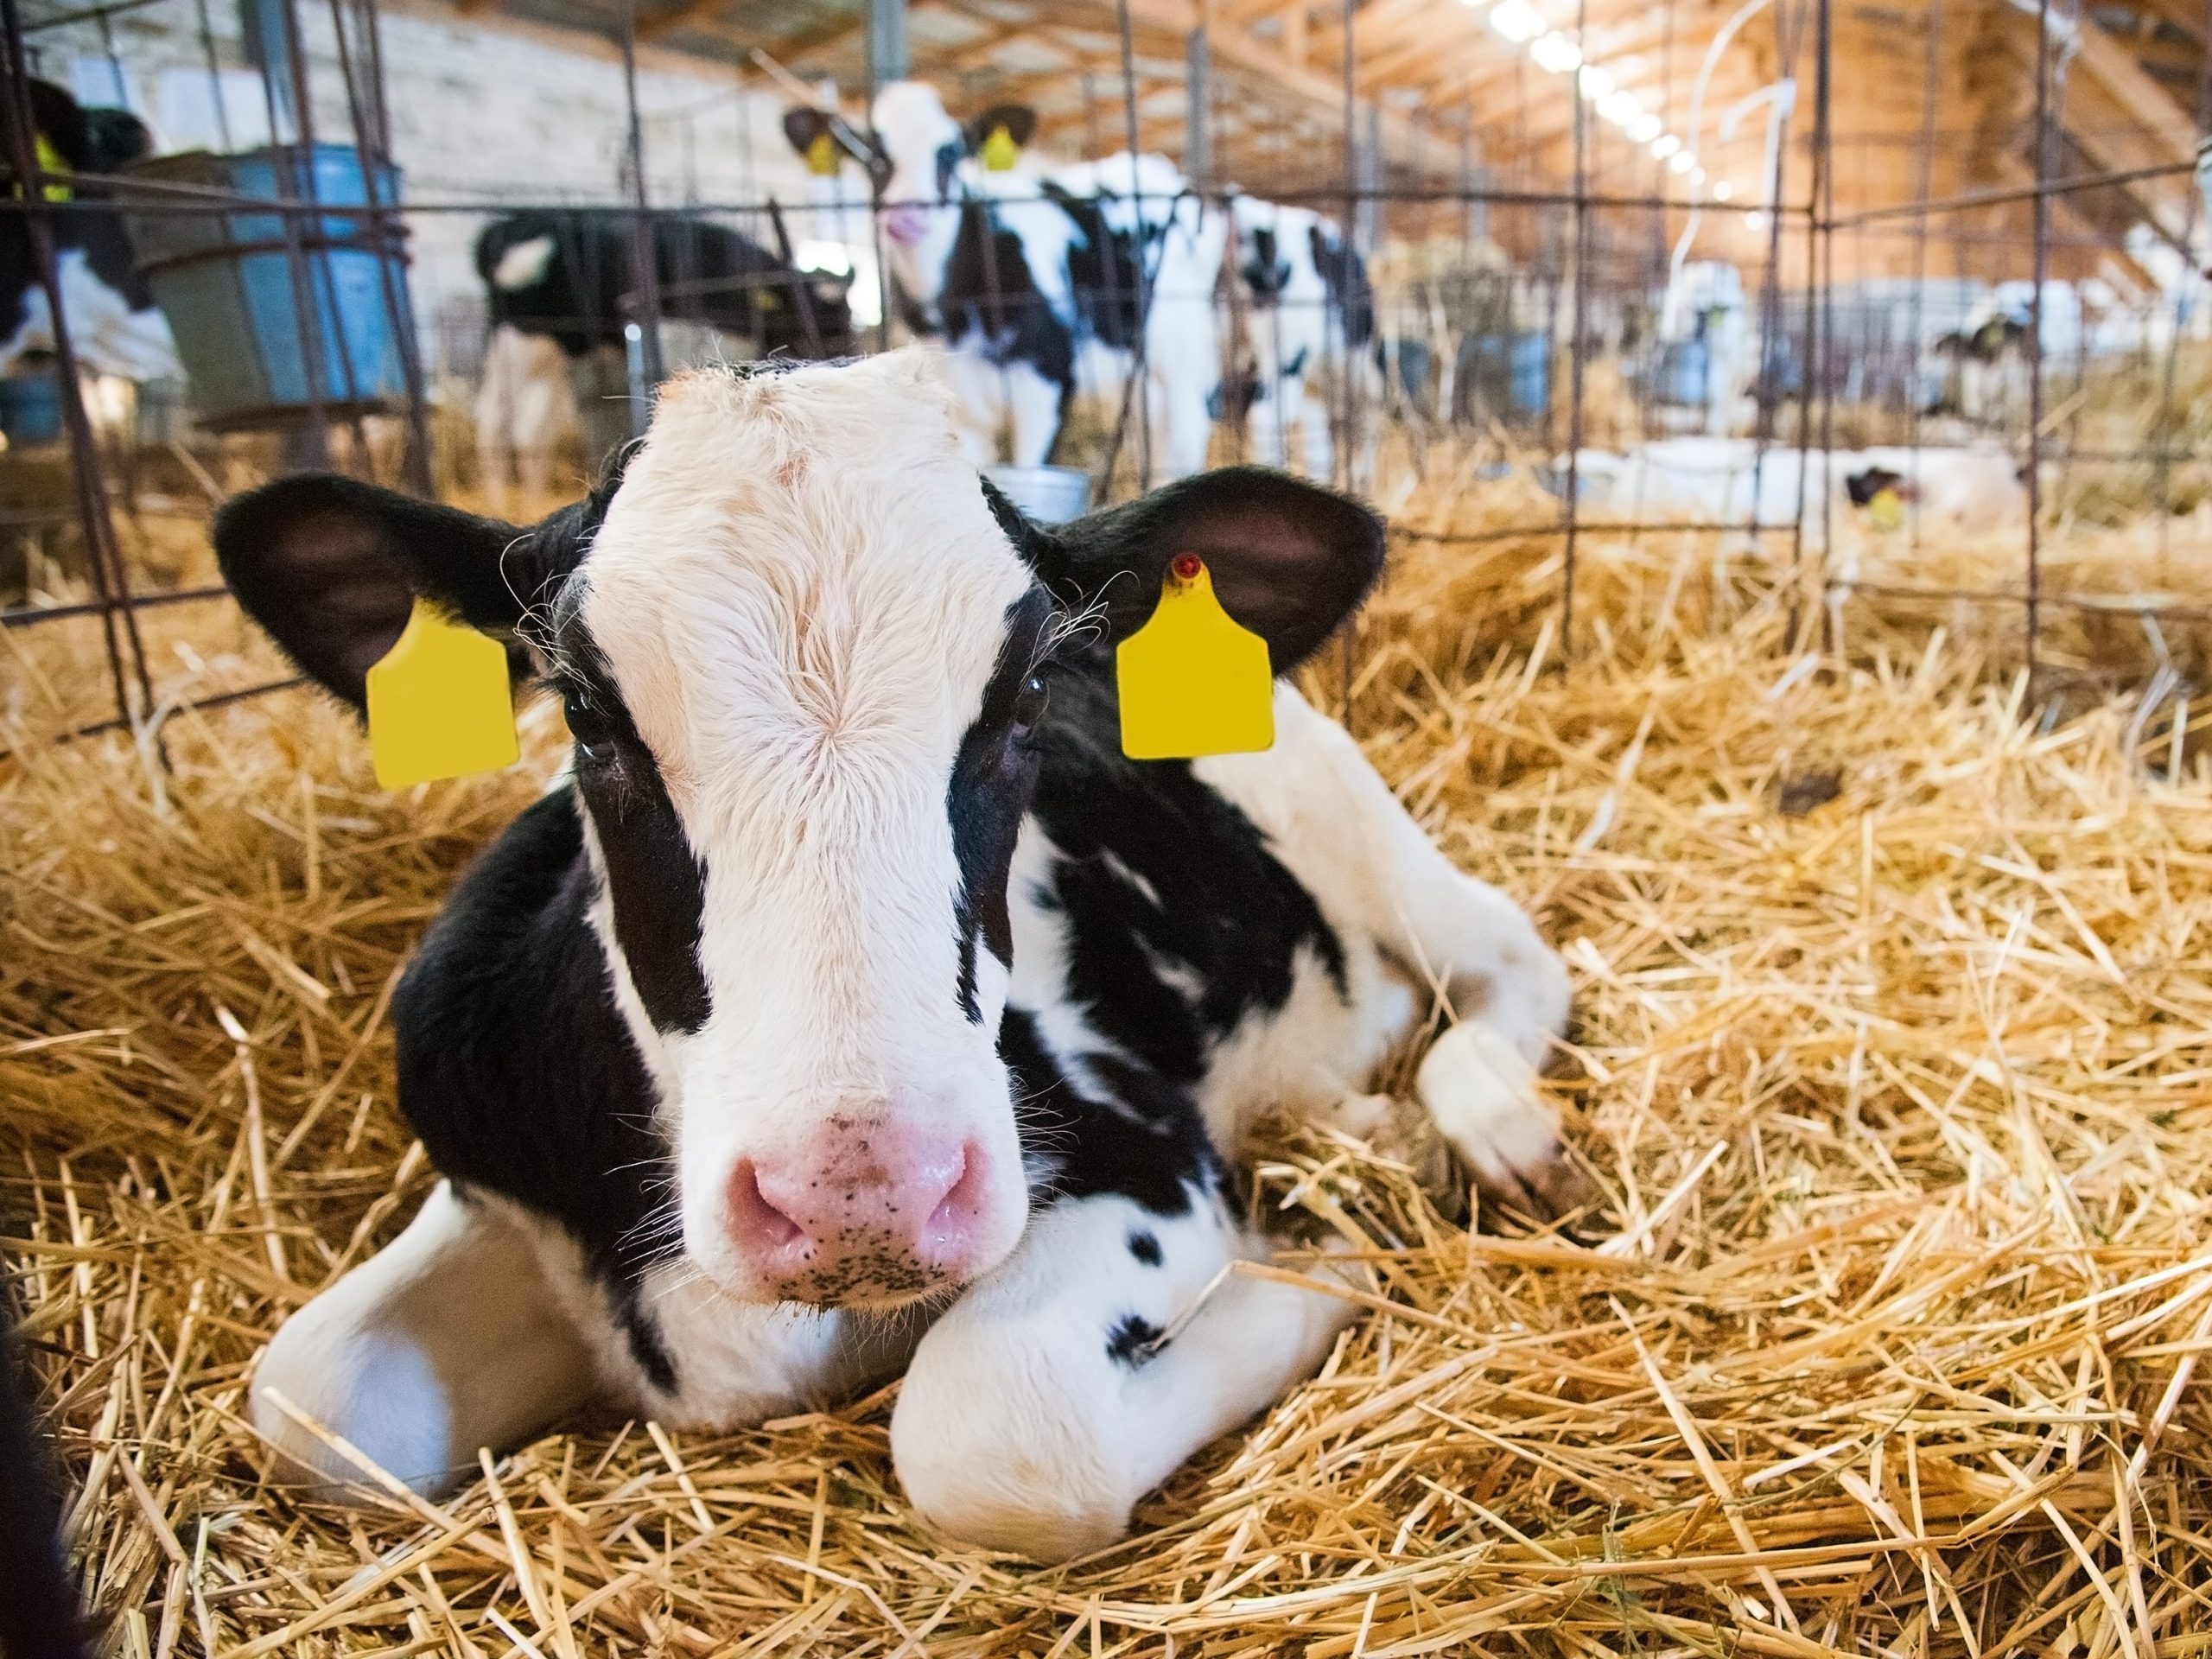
(1682, 162)
(1555, 53)
(1597, 85)
(1642, 130)
(1755, 220)
(1517, 19)
(1665, 144)
(1622, 109)
(1722, 189)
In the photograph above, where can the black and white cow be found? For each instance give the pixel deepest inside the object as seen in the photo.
(560, 285)
(852, 1004)
(114, 326)
(1033, 280)
(1309, 323)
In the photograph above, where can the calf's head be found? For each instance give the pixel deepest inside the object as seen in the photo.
(808, 663)
(923, 148)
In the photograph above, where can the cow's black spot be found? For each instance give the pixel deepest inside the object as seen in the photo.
(1181, 922)
(1133, 1340)
(520, 1074)
(993, 773)
(1145, 1246)
(990, 295)
(1145, 1142)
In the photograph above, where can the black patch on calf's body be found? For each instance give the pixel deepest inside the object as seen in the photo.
(1103, 272)
(993, 773)
(1344, 274)
(1133, 1340)
(1265, 272)
(990, 293)
(1145, 1246)
(517, 1071)
(1158, 879)
(1145, 1142)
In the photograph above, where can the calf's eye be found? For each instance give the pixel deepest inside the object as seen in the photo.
(1028, 705)
(593, 732)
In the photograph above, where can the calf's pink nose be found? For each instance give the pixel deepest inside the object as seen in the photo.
(876, 1211)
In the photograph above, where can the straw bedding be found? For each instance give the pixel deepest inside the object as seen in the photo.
(1891, 1063)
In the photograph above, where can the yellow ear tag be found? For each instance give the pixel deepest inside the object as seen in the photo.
(51, 160)
(439, 704)
(1000, 152)
(1192, 681)
(822, 155)
(1885, 512)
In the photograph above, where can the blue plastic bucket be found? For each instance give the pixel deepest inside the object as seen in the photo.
(228, 285)
(1531, 373)
(1685, 374)
(30, 408)
(1505, 375)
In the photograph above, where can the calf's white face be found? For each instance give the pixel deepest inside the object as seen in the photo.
(797, 614)
(923, 148)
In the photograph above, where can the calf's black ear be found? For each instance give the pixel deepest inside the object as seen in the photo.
(1289, 560)
(331, 567)
(803, 126)
(1019, 120)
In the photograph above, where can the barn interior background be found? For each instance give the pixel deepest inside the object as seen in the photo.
(1793, 419)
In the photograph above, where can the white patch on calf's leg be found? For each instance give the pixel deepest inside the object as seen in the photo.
(1085, 1416)
(447, 1340)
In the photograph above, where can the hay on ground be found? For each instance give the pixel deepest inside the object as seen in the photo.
(1892, 1062)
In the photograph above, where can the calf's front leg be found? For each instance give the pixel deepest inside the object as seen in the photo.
(448, 1338)
(1076, 1377)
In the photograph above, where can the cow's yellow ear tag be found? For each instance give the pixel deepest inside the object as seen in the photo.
(1193, 682)
(998, 151)
(440, 705)
(822, 155)
(1885, 512)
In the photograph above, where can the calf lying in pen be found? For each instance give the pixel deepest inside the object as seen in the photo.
(853, 1004)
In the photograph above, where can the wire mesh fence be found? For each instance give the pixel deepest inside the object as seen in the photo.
(1647, 314)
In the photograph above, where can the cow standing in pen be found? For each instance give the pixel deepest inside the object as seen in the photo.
(851, 1004)
(560, 286)
(1044, 285)
(1309, 330)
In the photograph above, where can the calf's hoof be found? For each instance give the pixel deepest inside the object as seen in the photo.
(1489, 1103)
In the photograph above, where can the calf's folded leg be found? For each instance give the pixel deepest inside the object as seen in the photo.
(448, 1340)
(1061, 1388)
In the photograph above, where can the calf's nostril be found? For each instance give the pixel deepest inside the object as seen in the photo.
(952, 1220)
(755, 1218)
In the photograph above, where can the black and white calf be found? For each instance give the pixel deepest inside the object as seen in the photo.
(114, 326)
(1042, 282)
(1309, 323)
(560, 285)
(852, 1003)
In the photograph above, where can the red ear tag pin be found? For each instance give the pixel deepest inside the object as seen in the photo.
(1192, 681)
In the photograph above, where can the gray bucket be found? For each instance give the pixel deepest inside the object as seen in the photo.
(1050, 495)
